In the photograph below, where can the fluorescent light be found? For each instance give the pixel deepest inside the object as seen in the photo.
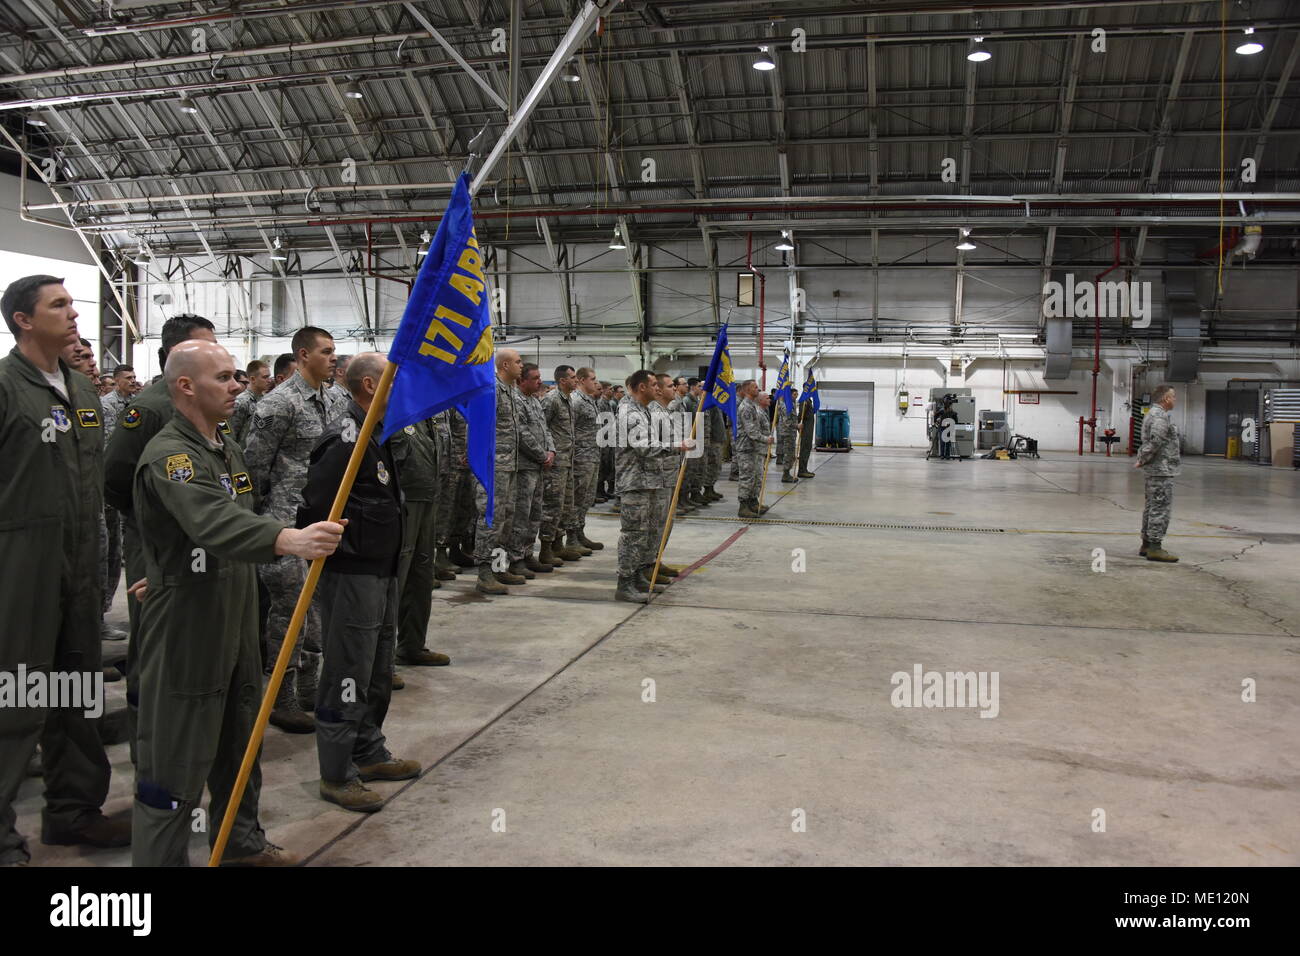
(1249, 47)
(186, 105)
(278, 251)
(978, 54)
(352, 90)
(764, 61)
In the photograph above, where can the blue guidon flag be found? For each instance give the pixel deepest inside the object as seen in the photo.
(720, 383)
(443, 347)
(784, 385)
(810, 393)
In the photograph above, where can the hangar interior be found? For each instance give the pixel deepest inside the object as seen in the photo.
(909, 199)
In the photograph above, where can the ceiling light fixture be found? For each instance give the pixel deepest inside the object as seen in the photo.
(142, 255)
(965, 245)
(34, 119)
(425, 239)
(764, 61)
(570, 74)
(785, 245)
(1249, 47)
(186, 105)
(278, 252)
(352, 90)
(617, 242)
(978, 54)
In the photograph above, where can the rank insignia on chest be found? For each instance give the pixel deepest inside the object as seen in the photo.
(179, 468)
(228, 485)
(132, 418)
(59, 415)
(383, 474)
(88, 417)
(243, 484)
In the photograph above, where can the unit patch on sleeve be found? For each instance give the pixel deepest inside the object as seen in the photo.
(228, 485)
(179, 468)
(243, 484)
(131, 419)
(59, 415)
(88, 417)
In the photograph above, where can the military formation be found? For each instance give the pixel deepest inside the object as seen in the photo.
(214, 486)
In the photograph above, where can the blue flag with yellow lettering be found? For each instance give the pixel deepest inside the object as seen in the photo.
(810, 393)
(784, 385)
(443, 347)
(720, 383)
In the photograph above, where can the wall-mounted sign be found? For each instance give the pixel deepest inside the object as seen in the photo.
(1028, 398)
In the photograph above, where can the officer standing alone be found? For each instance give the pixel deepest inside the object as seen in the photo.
(1160, 456)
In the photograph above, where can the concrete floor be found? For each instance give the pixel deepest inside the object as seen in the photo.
(1118, 691)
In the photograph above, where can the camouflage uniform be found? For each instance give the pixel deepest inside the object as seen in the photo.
(716, 430)
(110, 556)
(639, 487)
(605, 485)
(534, 445)
(114, 405)
(668, 459)
(242, 416)
(488, 539)
(1161, 458)
(586, 458)
(285, 428)
(456, 496)
(557, 498)
(750, 448)
(787, 430)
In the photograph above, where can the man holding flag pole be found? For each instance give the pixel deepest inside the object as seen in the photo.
(445, 351)
(786, 425)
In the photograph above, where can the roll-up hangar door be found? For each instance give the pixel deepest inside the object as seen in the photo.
(859, 398)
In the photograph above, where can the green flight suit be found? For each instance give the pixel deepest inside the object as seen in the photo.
(198, 660)
(140, 420)
(51, 500)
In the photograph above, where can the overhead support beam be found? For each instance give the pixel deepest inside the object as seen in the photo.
(1160, 139)
(1279, 93)
(421, 19)
(1065, 110)
(700, 179)
(967, 151)
(578, 31)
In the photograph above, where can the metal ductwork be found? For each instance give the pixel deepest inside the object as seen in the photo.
(1184, 312)
(1060, 339)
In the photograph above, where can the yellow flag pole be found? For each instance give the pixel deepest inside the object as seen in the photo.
(299, 615)
(672, 507)
(766, 461)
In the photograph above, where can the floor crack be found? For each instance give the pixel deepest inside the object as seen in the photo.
(1238, 588)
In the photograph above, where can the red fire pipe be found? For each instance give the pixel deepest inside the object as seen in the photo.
(1096, 355)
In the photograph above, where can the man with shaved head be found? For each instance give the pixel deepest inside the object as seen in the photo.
(490, 542)
(199, 665)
